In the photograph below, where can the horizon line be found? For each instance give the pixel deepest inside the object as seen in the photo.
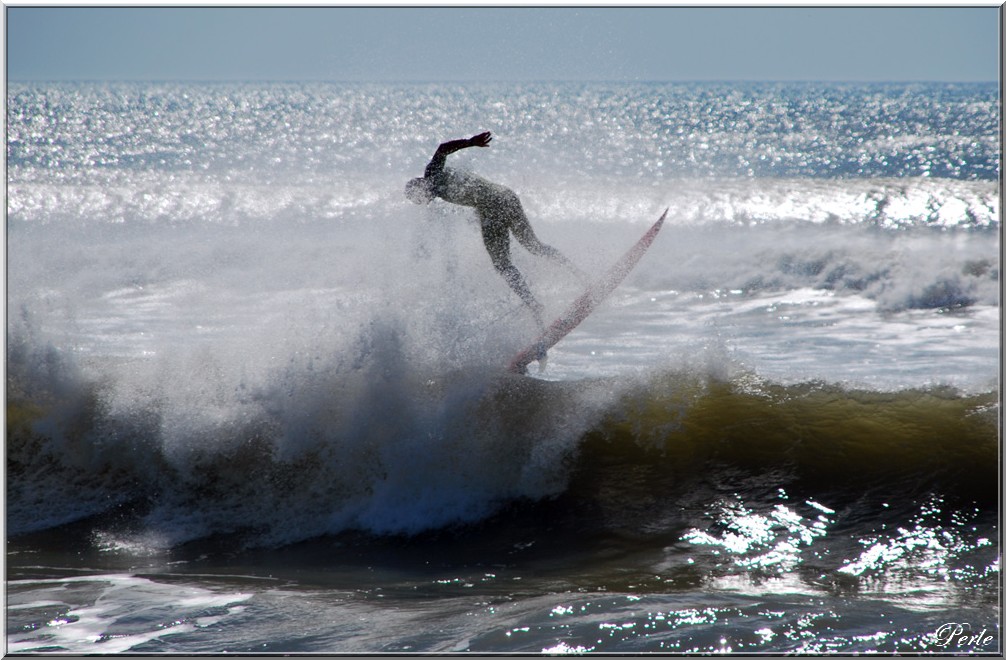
(893, 81)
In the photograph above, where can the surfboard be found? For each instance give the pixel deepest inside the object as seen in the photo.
(585, 304)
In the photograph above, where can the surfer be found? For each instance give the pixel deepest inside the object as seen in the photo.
(499, 211)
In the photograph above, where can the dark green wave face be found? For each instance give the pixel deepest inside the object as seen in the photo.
(605, 442)
(826, 437)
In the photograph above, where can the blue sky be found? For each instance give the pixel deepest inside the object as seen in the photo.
(504, 43)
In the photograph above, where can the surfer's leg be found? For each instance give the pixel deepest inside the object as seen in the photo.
(525, 235)
(497, 242)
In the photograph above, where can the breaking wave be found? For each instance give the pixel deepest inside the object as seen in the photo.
(314, 449)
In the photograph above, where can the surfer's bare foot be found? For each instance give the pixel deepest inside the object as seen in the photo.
(541, 354)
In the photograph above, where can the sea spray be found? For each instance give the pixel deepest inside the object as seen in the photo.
(363, 439)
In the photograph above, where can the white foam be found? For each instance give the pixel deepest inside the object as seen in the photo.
(116, 613)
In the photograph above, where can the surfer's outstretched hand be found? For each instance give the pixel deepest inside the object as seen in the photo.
(480, 140)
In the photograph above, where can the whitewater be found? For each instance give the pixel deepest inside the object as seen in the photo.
(257, 400)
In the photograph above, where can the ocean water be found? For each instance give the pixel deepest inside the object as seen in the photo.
(256, 400)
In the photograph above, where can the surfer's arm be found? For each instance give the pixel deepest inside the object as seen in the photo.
(447, 148)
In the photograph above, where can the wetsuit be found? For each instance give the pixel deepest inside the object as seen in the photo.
(500, 212)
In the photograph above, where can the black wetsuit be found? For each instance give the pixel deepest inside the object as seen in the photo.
(500, 212)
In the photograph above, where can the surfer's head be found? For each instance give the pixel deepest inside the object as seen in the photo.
(418, 190)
